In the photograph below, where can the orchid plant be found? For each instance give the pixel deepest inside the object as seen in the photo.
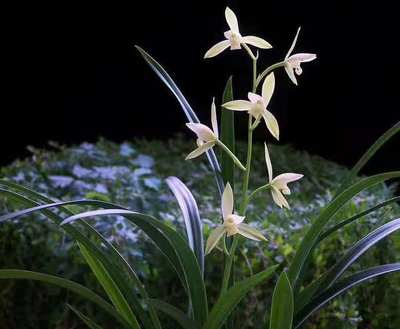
(294, 299)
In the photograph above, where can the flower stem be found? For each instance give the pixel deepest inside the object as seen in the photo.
(268, 70)
(233, 157)
(230, 259)
(261, 188)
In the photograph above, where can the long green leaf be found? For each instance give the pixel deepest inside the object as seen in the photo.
(355, 217)
(110, 260)
(355, 252)
(368, 155)
(228, 135)
(110, 287)
(228, 301)
(181, 318)
(316, 228)
(89, 322)
(187, 109)
(187, 262)
(341, 287)
(191, 216)
(282, 307)
(66, 284)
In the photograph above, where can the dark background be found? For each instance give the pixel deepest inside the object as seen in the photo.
(72, 74)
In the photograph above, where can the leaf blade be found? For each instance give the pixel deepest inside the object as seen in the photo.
(282, 307)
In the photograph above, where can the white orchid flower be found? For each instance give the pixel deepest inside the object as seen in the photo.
(234, 38)
(292, 62)
(233, 224)
(256, 106)
(206, 138)
(279, 183)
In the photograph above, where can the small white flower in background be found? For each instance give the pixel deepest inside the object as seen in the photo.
(257, 105)
(233, 224)
(234, 39)
(206, 138)
(292, 62)
(279, 183)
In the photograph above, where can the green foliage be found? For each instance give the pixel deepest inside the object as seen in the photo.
(128, 175)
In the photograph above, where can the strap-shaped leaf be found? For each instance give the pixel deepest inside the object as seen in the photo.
(110, 287)
(228, 136)
(66, 284)
(319, 223)
(175, 313)
(109, 260)
(355, 217)
(282, 307)
(341, 287)
(89, 322)
(382, 140)
(183, 259)
(228, 301)
(187, 109)
(191, 216)
(333, 274)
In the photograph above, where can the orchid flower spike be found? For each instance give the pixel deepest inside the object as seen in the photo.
(279, 183)
(292, 62)
(206, 138)
(257, 105)
(233, 224)
(234, 39)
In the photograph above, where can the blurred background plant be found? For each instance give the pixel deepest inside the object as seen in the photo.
(127, 174)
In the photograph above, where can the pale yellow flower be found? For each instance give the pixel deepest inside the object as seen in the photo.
(292, 62)
(234, 38)
(232, 224)
(278, 184)
(256, 106)
(206, 138)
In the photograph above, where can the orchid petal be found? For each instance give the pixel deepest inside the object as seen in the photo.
(256, 42)
(227, 201)
(254, 98)
(272, 123)
(290, 73)
(282, 180)
(268, 162)
(200, 150)
(214, 121)
(251, 233)
(302, 57)
(231, 19)
(293, 43)
(237, 219)
(202, 131)
(217, 49)
(214, 238)
(239, 105)
(268, 88)
(278, 198)
(228, 34)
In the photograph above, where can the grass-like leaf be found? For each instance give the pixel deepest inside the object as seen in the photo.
(110, 287)
(282, 307)
(179, 253)
(113, 261)
(187, 109)
(326, 214)
(350, 220)
(66, 284)
(228, 301)
(382, 140)
(180, 317)
(89, 322)
(341, 287)
(191, 216)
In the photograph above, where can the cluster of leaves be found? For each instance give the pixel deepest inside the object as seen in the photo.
(127, 174)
